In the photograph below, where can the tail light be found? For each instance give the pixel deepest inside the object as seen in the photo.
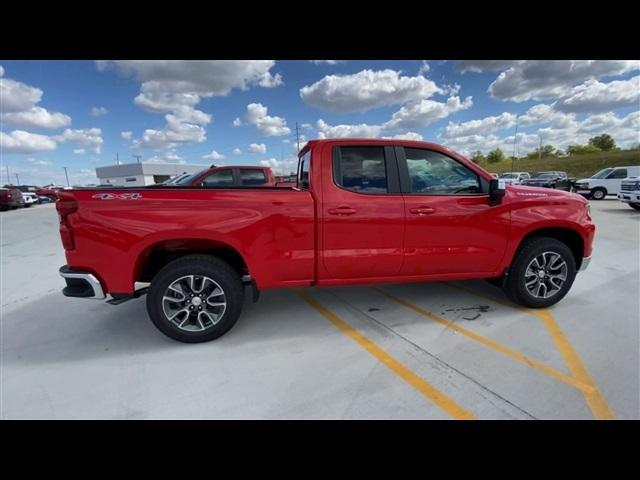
(66, 205)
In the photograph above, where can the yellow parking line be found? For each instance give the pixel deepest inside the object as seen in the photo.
(417, 382)
(594, 398)
(552, 372)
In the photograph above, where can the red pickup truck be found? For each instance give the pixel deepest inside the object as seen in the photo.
(363, 212)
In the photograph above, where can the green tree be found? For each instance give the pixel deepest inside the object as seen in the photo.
(545, 151)
(582, 149)
(496, 156)
(604, 142)
(478, 157)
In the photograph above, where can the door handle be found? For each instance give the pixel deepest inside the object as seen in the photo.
(422, 210)
(343, 210)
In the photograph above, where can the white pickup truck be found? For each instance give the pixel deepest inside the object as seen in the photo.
(630, 192)
(605, 182)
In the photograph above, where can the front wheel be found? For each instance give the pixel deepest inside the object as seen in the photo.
(196, 298)
(541, 274)
(598, 193)
(635, 206)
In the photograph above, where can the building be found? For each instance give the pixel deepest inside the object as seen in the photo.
(141, 174)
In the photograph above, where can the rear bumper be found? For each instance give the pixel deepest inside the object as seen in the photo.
(584, 264)
(81, 284)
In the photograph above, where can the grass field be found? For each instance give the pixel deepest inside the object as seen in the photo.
(579, 166)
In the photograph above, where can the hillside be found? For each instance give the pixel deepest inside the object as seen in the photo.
(579, 166)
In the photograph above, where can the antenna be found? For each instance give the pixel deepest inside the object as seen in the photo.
(137, 157)
(515, 144)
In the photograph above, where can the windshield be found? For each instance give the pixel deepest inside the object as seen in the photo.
(508, 175)
(603, 173)
(190, 178)
(544, 175)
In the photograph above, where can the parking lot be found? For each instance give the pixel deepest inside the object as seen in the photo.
(413, 351)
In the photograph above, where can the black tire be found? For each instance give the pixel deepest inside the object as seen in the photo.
(598, 193)
(514, 286)
(206, 265)
(635, 206)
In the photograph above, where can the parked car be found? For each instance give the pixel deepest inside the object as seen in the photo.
(28, 194)
(630, 192)
(554, 179)
(605, 182)
(49, 191)
(10, 197)
(42, 199)
(365, 211)
(514, 178)
(230, 176)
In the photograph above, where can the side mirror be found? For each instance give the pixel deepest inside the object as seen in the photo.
(496, 191)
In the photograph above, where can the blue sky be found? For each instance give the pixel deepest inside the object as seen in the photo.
(74, 113)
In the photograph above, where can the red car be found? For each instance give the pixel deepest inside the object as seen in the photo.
(230, 176)
(10, 197)
(363, 212)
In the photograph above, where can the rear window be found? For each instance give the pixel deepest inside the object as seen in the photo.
(361, 169)
(252, 176)
(222, 178)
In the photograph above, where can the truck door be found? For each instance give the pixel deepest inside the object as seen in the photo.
(614, 180)
(362, 213)
(450, 226)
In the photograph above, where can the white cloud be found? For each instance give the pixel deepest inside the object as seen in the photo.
(540, 79)
(421, 114)
(258, 148)
(19, 107)
(347, 131)
(593, 96)
(366, 90)
(424, 68)
(266, 125)
(237, 151)
(328, 62)
(482, 126)
(175, 87)
(98, 111)
(36, 117)
(213, 156)
(1, 71)
(126, 135)
(37, 161)
(89, 137)
(407, 136)
(478, 66)
(168, 157)
(19, 141)
(79, 151)
(237, 122)
(280, 167)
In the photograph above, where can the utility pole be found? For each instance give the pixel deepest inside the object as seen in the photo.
(8, 177)
(66, 175)
(17, 179)
(540, 149)
(298, 137)
(117, 158)
(137, 157)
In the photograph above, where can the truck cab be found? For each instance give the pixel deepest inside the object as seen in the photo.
(606, 182)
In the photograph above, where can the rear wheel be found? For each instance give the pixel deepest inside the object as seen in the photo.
(635, 206)
(541, 274)
(598, 193)
(196, 298)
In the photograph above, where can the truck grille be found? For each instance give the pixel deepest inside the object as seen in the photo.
(629, 187)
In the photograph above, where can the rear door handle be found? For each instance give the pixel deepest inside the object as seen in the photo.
(422, 210)
(344, 210)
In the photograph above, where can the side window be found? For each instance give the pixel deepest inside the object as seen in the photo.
(361, 169)
(618, 173)
(222, 178)
(433, 173)
(303, 172)
(252, 176)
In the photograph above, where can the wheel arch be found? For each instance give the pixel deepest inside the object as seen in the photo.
(570, 237)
